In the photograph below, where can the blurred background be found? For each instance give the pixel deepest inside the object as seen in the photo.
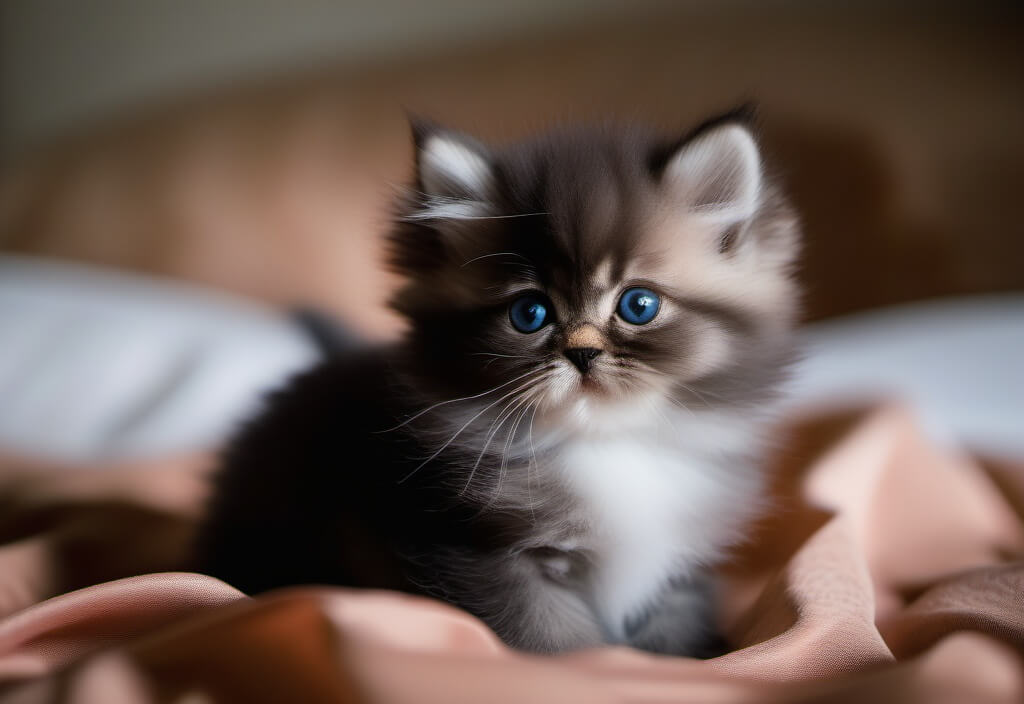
(250, 148)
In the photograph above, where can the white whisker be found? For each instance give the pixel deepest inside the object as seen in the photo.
(503, 468)
(532, 464)
(504, 415)
(493, 254)
(459, 431)
(495, 354)
(455, 400)
(697, 393)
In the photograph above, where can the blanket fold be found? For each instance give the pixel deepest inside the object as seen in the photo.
(888, 570)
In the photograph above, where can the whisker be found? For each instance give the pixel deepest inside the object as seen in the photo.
(503, 468)
(532, 463)
(493, 254)
(506, 412)
(634, 366)
(500, 217)
(697, 393)
(495, 357)
(459, 431)
(671, 400)
(510, 408)
(457, 210)
(455, 400)
(656, 409)
(427, 201)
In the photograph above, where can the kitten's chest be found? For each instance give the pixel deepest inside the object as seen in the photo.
(652, 512)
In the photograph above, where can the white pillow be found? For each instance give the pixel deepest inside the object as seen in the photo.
(958, 362)
(96, 364)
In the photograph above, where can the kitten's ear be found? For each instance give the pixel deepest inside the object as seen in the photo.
(717, 173)
(450, 165)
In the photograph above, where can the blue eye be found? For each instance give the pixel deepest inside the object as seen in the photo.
(528, 313)
(639, 306)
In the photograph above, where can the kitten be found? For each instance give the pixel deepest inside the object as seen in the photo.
(567, 438)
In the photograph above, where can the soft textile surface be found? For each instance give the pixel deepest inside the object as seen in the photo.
(888, 571)
(130, 366)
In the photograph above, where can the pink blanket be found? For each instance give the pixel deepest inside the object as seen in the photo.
(889, 571)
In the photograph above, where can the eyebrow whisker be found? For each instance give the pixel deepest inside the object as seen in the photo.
(501, 217)
(493, 254)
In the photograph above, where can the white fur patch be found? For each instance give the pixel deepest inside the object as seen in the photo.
(449, 209)
(447, 164)
(660, 504)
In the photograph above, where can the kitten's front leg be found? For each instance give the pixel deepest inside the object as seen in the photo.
(680, 622)
(526, 598)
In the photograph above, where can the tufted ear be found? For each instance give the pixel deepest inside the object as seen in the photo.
(717, 174)
(453, 172)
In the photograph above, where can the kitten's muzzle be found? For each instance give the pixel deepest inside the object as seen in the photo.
(582, 357)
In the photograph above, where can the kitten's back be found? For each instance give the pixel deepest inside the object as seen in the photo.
(299, 497)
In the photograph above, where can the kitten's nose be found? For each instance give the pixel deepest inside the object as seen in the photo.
(582, 357)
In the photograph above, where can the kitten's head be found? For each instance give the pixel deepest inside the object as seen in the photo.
(589, 269)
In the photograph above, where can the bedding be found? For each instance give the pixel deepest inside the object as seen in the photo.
(890, 571)
(127, 365)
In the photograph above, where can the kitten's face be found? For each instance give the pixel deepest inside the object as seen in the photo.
(586, 273)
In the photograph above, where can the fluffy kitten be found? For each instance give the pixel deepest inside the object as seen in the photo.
(567, 437)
